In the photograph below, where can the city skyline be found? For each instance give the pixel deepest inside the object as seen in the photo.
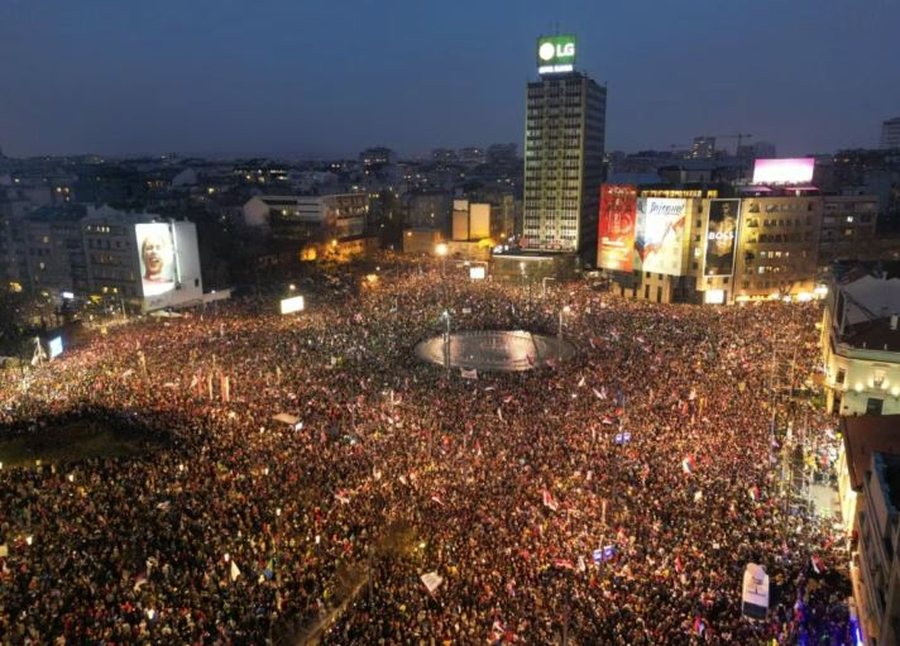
(329, 81)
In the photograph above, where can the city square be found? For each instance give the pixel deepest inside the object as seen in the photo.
(618, 495)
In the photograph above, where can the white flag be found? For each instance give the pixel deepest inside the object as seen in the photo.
(235, 571)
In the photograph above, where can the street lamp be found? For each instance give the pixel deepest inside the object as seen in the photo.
(446, 316)
(441, 251)
(563, 311)
(544, 285)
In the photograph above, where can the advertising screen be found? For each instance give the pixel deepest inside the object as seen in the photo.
(556, 54)
(291, 305)
(721, 237)
(56, 347)
(659, 237)
(168, 260)
(159, 270)
(616, 234)
(784, 171)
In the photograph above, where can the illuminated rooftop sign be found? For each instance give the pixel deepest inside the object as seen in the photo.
(556, 54)
(784, 171)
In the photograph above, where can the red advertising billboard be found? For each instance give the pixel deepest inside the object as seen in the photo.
(615, 248)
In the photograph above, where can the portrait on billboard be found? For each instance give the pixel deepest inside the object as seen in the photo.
(157, 258)
(616, 235)
(721, 237)
(659, 238)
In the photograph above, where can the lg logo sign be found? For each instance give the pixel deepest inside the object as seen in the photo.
(549, 51)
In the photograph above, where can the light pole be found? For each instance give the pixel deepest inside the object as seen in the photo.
(544, 285)
(446, 316)
(563, 311)
(441, 251)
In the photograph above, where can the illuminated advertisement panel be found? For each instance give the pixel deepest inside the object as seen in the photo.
(616, 229)
(169, 263)
(784, 171)
(659, 239)
(292, 304)
(56, 347)
(159, 270)
(721, 237)
(556, 54)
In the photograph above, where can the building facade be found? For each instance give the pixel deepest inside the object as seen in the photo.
(890, 133)
(860, 340)
(564, 145)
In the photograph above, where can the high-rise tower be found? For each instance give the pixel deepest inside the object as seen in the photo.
(565, 134)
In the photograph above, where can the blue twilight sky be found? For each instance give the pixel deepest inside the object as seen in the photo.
(330, 77)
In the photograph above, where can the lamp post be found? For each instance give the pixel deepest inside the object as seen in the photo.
(544, 285)
(446, 316)
(441, 250)
(563, 311)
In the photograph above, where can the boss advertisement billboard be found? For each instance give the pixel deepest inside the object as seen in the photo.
(615, 249)
(169, 263)
(659, 239)
(556, 54)
(721, 237)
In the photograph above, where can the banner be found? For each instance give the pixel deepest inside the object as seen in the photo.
(660, 239)
(432, 581)
(721, 237)
(467, 373)
(617, 221)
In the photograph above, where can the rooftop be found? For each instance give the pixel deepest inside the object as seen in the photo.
(865, 435)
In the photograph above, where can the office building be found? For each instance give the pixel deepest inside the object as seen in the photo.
(890, 133)
(564, 147)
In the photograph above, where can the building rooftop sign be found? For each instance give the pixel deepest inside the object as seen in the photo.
(784, 171)
(556, 54)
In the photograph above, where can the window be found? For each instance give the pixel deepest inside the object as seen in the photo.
(874, 406)
(841, 374)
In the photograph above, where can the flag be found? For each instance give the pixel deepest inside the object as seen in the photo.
(437, 500)
(699, 625)
(698, 495)
(581, 565)
(235, 571)
(432, 581)
(342, 496)
(565, 564)
(687, 465)
(467, 373)
(754, 493)
(817, 564)
(549, 501)
(603, 554)
(138, 582)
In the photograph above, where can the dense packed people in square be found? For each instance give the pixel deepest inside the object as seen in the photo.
(613, 498)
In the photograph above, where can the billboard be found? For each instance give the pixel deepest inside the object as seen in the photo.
(56, 347)
(479, 221)
(659, 239)
(292, 304)
(721, 237)
(616, 228)
(168, 260)
(556, 54)
(157, 258)
(784, 171)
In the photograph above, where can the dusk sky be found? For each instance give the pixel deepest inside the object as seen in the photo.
(327, 79)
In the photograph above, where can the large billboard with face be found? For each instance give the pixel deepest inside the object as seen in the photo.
(616, 229)
(157, 258)
(169, 264)
(721, 237)
(660, 237)
(556, 54)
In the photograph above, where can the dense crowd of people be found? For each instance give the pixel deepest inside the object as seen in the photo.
(613, 498)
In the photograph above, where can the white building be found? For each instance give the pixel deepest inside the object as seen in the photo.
(861, 340)
(309, 217)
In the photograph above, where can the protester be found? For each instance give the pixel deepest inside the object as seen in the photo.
(232, 527)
